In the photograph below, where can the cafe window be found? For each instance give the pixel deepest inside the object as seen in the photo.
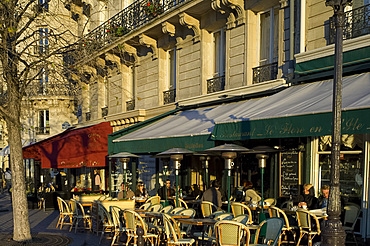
(351, 166)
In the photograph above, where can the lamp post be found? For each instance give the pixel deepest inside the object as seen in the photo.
(229, 153)
(124, 158)
(176, 154)
(165, 167)
(332, 231)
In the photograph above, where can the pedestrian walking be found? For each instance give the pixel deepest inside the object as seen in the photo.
(2, 181)
(8, 180)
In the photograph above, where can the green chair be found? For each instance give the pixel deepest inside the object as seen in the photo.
(272, 228)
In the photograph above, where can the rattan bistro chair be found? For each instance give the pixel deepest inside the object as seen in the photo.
(351, 215)
(118, 227)
(240, 208)
(231, 233)
(133, 221)
(154, 200)
(287, 229)
(173, 233)
(182, 203)
(305, 220)
(105, 221)
(64, 213)
(272, 234)
(207, 208)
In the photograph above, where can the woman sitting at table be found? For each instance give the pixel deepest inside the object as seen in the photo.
(251, 195)
(140, 190)
(129, 193)
(307, 199)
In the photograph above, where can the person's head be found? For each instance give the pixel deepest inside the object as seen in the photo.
(140, 185)
(7, 169)
(306, 188)
(123, 186)
(215, 184)
(325, 191)
(248, 184)
(95, 171)
(168, 183)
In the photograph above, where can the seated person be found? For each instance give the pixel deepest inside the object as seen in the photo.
(308, 197)
(129, 193)
(251, 195)
(324, 197)
(170, 191)
(140, 190)
(213, 195)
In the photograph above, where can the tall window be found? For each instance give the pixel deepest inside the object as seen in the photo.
(43, 40)
(172, 68)
(219, 53)
(269, 26)
(169, 95)
(44, 127)
(44, 80)
(44, 5)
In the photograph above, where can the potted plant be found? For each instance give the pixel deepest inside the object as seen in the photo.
(153, 9)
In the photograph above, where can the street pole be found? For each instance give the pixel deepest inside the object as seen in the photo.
(332, 231)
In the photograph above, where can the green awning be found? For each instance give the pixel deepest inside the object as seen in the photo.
(299, 111)
(353, 122)
(327, 63)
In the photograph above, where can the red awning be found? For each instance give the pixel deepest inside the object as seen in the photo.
(82, 147)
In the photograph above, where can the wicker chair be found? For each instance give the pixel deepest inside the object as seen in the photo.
(133, 221)
(207, 208)
(118, 228)
(154, 200)
(145, 206)
(79, 215)
(305, 219)
(105, 221)
(176, 210)
(273, 227)
(64, 212)
(155, 208)
(279, 213)
(182, 203)
(166, 209)
(231, 233)
(239, 209)
(352, 212)
(173, 233)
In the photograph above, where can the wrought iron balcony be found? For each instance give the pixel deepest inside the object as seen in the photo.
(216, 84)
(130, 105)
(88, 116)
(42, 130)
(356, 23)
(104, 111)
(169, 96)
(50, 89)
(265, 73)
(130, 18)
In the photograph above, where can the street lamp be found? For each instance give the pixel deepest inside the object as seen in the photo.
(124, 157)
(229, 153)
(176, 154)
(332, 231)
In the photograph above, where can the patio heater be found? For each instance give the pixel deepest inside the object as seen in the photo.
(124, 157)
(165, 168)
(229, 153)
(176, 155)
(205, 159)
(261, 155)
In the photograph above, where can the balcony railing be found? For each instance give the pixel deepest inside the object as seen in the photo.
(216, 84)
(356, 23)
(169, 96)
(42, 130)
(130, 18)
(265, 73)
(88, 116)
(104, 111)
(65, 89)
(130, 105)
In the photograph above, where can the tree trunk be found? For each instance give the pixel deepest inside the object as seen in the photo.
(21, 223)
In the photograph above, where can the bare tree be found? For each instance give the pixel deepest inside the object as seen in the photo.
(24, 53)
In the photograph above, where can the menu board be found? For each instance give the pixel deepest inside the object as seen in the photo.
(290, 173)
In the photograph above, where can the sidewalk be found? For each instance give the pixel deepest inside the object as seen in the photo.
(43, 225)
